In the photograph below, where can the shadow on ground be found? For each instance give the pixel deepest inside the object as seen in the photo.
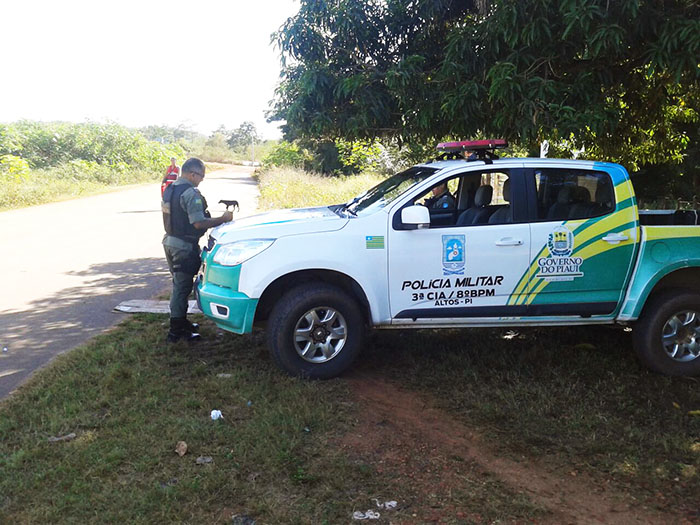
(50, 326)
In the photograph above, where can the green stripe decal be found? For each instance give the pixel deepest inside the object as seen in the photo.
(598, 237)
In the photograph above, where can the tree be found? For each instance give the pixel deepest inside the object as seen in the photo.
(243, 136)
(619, 79)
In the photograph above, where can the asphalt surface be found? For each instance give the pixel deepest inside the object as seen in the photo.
(67, 265)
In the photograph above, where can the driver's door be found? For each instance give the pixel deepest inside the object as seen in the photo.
(470, 272)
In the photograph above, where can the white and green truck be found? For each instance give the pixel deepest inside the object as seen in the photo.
(522, 242)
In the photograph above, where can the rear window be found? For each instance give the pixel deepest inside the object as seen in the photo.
(570, 194)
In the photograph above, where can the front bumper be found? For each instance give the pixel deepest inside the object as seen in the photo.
(230, 310)
(221, 301)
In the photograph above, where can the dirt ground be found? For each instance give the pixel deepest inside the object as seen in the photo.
(404, 435)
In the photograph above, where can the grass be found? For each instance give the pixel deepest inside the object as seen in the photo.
(44, 186)
(130, 398)
(575, 398)
(294, 188)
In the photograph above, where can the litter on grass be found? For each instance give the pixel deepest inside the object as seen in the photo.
(202, 460)
(138, 306)
(216, 414)
(67, 437)
(388, 505)
(181, 448)
(369, 515)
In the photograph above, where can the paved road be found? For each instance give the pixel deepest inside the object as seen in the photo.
(66, 265)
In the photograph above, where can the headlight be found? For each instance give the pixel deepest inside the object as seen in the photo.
(238, 252)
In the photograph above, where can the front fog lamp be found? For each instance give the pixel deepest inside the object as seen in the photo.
(238, 252)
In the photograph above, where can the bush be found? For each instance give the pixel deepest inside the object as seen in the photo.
(287, 154)
(13, 168)
(45, 145)
(44, 162)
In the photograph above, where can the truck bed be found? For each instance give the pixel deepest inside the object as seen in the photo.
(668, 217)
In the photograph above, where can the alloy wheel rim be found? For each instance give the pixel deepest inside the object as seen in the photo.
(681, 336)
(320, 334)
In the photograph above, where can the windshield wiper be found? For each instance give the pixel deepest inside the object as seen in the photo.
(346, 206)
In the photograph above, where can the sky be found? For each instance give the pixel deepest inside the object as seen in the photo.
(202, 64)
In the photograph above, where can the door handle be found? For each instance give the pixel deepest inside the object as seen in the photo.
(615, 238)
(509, 241)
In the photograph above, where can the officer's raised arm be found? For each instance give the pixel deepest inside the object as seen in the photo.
(227, 216)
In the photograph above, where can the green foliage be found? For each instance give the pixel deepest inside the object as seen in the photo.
(214, 149)
(287, 154)
(618, 80)
(359, 155)
(43, 162)
(340, 157)
(13, 168)
(168, 135)
(45, 145)
(243, 136)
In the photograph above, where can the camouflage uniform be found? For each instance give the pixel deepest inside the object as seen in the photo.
(181, 244)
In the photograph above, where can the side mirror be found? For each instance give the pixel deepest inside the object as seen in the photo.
(415, 217)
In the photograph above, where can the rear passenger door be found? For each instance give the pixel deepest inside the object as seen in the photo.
(583, 242)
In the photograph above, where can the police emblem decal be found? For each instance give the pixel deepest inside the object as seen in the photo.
(453, 254)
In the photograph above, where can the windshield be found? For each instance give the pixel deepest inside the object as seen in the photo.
(389, 190)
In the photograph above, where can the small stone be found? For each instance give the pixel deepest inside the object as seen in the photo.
(203, 460)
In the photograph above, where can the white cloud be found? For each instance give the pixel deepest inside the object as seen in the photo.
(141, 62)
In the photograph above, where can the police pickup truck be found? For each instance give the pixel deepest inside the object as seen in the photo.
(521, 242)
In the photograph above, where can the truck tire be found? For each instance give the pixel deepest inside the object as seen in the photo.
(315, 331)
(667, 334)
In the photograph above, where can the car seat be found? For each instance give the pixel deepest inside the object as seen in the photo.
(479, 213)
(503, 214)
(582, 207)
(560, 209)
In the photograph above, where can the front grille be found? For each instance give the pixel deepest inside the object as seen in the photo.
(211, 242)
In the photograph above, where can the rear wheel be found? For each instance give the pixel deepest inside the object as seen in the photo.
(667, 334)
(315, 331)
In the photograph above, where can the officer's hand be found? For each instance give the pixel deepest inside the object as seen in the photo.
(227, 216)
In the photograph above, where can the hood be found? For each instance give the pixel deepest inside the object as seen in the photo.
(279, 223)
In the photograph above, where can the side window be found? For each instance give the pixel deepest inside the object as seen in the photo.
(484, 198)
(441, 197)
(468, 200)
(569, 194)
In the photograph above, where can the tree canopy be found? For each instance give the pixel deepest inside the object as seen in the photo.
(243, 135)
(619, 78)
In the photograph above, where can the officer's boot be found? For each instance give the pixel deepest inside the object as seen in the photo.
(193, 327)
(180, 330)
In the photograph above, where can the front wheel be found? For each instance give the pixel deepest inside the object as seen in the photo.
(667, 334)
(315, 331)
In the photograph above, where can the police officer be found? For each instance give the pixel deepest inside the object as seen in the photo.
(441, 199)
(186, 219)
